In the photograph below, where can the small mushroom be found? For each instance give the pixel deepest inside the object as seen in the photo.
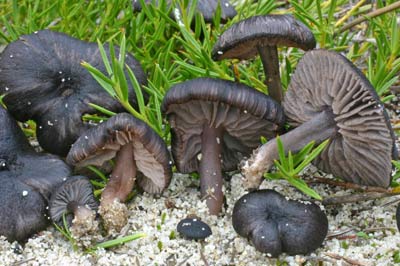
(276, 224)
(27, 181)
(193, 228)
(52, 87)
(329, 98)
(262, 35)
(74, 199)
(140, 156)
(214, 124)
(207, 8)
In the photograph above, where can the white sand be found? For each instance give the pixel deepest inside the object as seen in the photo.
(224, 246)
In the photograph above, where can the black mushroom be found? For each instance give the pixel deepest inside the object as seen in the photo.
(52, 87)
(275, 224)
(207, 8)
(262, 35)
(75, 201)
(140, 155)
(214, 124)
(329, 98)
(193, 228)
(27, 181)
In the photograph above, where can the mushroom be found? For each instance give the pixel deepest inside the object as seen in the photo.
(329, 98)
(261, 35)
(27, 181)
(52, 87)
(207, 8)
(193, 228)
(214, 124)
(277, 224)
(140, 156)
(75, 201)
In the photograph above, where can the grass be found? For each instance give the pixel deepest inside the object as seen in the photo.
(174, 51)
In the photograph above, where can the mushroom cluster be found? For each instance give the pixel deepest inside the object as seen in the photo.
(54, 90)
(207, 8)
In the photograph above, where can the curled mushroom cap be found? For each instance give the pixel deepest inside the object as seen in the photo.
(329, 98)
(75, 199)
(276, 224)
(52, 87)
(207, 8)
(261, 35)
(140, 155)
(214, 124)
(27, 181)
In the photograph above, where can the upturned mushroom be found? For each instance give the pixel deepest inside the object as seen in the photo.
(276, 224)
(52, 87)
(262, 35)
(214, 124)
(75, 201)
(329, 98)
(140, 156)
(27, 181)
(207, 8)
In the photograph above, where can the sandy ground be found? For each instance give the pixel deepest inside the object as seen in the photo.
(362, 233)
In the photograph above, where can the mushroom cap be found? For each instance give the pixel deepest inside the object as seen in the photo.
(244, 113)
(22, 210)
(52, 87)
(193, 228)
(100, 144)
(28, 179)
(207, 8)
(76, 191)
(363, 146)
(241, 40)
(276, 224)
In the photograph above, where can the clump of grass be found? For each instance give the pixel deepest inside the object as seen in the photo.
(290, 166)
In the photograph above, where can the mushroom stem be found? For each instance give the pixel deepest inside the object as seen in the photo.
(210, 169)
(318, 129)
(270, 60)
(81, 212)
(122, 178)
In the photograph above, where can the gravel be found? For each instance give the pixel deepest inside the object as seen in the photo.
(370, 235)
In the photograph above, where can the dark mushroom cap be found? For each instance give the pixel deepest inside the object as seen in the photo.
(244, 113)
(362, 148)
(100, 144)
(276, 224)
(76, 192)
(28, 179)
(207, 8)
(242, 39)
(52, 87)
(193, 228)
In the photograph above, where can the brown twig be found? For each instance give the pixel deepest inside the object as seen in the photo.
(370, 15)
(203, 258)
(335, 200)
(22, 262)
(348, 185)
(348, 260)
